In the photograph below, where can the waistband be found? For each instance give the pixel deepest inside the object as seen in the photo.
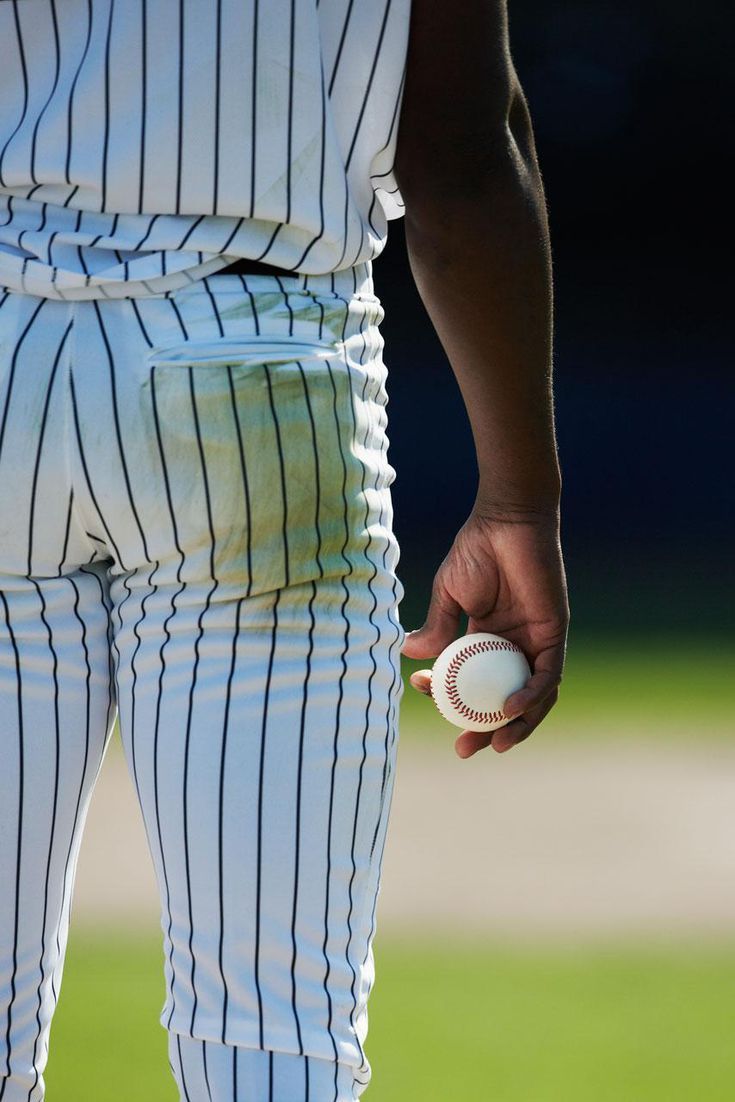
(345, 283)
(338, 307)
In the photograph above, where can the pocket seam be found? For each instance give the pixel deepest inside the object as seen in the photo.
(222, 352)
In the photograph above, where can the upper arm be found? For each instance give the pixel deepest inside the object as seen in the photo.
(459, 88)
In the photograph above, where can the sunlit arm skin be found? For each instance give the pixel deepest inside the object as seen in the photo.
(478, 245)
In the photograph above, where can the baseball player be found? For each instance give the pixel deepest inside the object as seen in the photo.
(196, 525)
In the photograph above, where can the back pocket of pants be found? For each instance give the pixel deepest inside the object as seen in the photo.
(269, 458)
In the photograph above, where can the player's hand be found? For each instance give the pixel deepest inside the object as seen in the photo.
(506, 573)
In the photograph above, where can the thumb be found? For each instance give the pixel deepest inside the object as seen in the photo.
(439, 629)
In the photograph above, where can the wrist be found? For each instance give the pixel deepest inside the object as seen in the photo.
(543, 510)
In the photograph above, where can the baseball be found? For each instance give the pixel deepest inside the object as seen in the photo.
(474, 676)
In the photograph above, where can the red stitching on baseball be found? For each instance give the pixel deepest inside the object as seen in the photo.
(450, 682)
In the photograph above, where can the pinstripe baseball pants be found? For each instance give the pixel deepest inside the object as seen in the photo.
(196, 534)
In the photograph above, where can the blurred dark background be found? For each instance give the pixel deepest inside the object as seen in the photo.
(629, 103)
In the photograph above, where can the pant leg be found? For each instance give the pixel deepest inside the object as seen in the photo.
(257, 636)
(265, 785)
(210, 1070)
(56, 714)
(56, 697)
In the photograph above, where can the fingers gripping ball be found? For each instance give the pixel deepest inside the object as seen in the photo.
(474, 676)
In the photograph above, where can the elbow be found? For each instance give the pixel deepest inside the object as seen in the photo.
(466, 165)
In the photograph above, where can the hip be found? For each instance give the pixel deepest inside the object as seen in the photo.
(234, 428)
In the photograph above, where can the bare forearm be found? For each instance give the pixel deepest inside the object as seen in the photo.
(481, 263)
(479, 250)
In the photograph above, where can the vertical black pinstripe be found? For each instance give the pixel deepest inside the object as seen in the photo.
(289, 141)
(72, 90)
(366, 96)
(24, 112)
(67, 531)
(42, 112)
(197, 657)
(221, 837)
(259, 842)
(332, 81)
(254, 110)
(289, 130)
(180, 131)
(143, 99)
(323, 146)
(304, 705)
(106, 135)
(206, 1073)
(217, 108)
(228, 700)
(19, 831)
(181, 1069)
(338, 713)
(162, 670)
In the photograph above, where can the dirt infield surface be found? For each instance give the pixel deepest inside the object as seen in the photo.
(573, 841)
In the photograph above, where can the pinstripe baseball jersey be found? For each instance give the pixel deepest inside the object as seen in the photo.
(147, 143)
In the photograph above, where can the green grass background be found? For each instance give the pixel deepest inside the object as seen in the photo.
(464, 1022)
(469, 1022)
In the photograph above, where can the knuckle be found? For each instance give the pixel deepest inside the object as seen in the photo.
(438, 591)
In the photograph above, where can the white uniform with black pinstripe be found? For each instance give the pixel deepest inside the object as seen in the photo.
(195, 512)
